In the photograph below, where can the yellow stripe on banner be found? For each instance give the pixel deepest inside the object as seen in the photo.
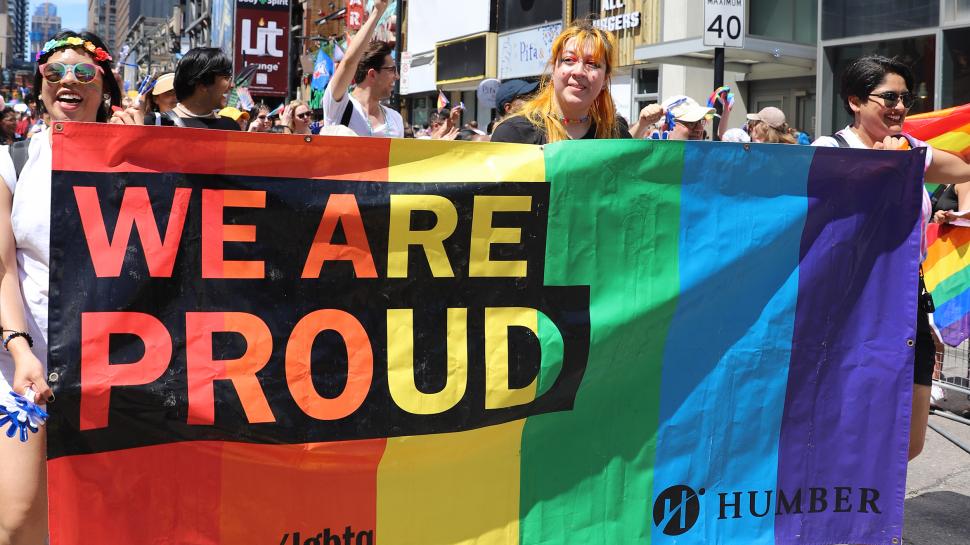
(451, 489)
(954, 141)
(957, 259)
(436, 161)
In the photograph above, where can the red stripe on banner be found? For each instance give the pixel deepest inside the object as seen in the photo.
(208, 493)
(98, 147)
(112, 497)
(926, 128)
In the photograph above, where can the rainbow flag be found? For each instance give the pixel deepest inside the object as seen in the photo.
(442, 100)
(947, 130)
(947, 277)
(361, 340)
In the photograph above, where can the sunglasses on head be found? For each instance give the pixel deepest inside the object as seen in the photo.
(891, 98)
(84, 72)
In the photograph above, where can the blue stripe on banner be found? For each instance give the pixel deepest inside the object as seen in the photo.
(726, 361)
(952, 310)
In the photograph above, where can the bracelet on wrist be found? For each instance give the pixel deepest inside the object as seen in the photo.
(13, 335)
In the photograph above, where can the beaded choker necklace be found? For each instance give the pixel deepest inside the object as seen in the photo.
(568, 121)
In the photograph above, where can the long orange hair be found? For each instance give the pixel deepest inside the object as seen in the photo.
(542, 110)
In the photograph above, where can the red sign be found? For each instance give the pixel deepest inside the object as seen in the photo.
(355, 14)
(263, 39)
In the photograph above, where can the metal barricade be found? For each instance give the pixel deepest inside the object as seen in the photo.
(951, 388)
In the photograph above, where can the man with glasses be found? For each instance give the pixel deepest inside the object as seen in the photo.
(370, 66)
(680, 118)
(202, 81)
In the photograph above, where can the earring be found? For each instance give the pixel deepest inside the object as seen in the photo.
(107, 102)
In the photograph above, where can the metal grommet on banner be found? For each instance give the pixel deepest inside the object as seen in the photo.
(747, 147)
(909, 342)
(53, 377)
(58, 127)
(895, 541)
(308, 139)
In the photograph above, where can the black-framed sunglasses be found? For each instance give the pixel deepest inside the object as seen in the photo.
(891, 98)
(393, 68)
(304, 115)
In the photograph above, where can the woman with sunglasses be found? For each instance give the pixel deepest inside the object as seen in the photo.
(75, 83)
(574, 102)
(297, 118)
(875, 90)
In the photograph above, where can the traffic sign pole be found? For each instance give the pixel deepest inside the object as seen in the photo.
(718, 82)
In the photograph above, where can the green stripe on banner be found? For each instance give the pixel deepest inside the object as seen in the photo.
(614, 224)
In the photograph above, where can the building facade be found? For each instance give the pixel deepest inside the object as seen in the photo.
(103, 20)
(19, 30)
(43, 26)
(129, 11)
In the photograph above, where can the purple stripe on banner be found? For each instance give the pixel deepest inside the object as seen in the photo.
(957, 332)
(845, 429)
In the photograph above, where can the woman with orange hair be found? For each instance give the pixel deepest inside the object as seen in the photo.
(574, 102)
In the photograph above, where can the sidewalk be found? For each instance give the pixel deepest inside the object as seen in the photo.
(938, 490)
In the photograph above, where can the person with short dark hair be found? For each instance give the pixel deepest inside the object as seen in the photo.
(203, 78)
(512, 94)
(371, 67)
(877, 92)
(8, 126)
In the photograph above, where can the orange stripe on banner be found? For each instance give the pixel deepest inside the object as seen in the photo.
(159, 494)
(99, 147)
(313, 491)
(947, 240)
(955, 141)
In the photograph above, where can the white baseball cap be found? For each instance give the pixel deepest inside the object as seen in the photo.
(684, 108)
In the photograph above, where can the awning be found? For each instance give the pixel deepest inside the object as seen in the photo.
(759, 59)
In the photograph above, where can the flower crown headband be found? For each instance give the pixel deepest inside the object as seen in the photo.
(99, 54)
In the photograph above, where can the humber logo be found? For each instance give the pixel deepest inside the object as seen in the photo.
(676, 509)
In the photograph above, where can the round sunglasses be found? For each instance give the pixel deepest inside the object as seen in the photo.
(84, 72)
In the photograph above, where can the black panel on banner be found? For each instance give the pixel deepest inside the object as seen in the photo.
(158, 411)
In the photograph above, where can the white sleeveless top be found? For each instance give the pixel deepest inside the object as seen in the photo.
(31, 221)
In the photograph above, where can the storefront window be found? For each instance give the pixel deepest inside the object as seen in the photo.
(845, 18)
(956, 67)
(787, 20)
(917, 53)
(514, 14)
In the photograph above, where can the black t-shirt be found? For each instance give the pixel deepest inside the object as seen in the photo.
(520, 130)
(948, 200)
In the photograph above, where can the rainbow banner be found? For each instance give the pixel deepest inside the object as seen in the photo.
(947, 130)
(286, 340)
(946, 272)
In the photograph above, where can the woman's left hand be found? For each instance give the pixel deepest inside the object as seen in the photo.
(131, 116)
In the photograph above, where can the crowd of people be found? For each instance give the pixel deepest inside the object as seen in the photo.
(74, 82)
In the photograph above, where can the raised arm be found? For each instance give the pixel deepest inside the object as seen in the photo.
(29, 371)
(344, 74)
(948, 168)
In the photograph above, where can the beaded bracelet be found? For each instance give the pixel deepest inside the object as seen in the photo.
(13, 335)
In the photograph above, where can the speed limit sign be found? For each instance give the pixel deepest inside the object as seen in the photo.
(724, 23)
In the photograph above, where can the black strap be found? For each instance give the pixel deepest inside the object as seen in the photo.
(18, 152)
(348, 111)
(174, 118)
(843, 143)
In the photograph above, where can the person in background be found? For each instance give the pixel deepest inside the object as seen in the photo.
(512, 94)
(262, 122)
(8, 126)
(736, 135)
(370, 66)
(202, 80)
(240, 117)
(574, 102)
(296, 118)
(163, 93)
(769, 126)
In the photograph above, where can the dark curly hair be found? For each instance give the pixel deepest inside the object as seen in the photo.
(109, 85)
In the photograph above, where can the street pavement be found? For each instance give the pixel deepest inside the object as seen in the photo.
(938, 489)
